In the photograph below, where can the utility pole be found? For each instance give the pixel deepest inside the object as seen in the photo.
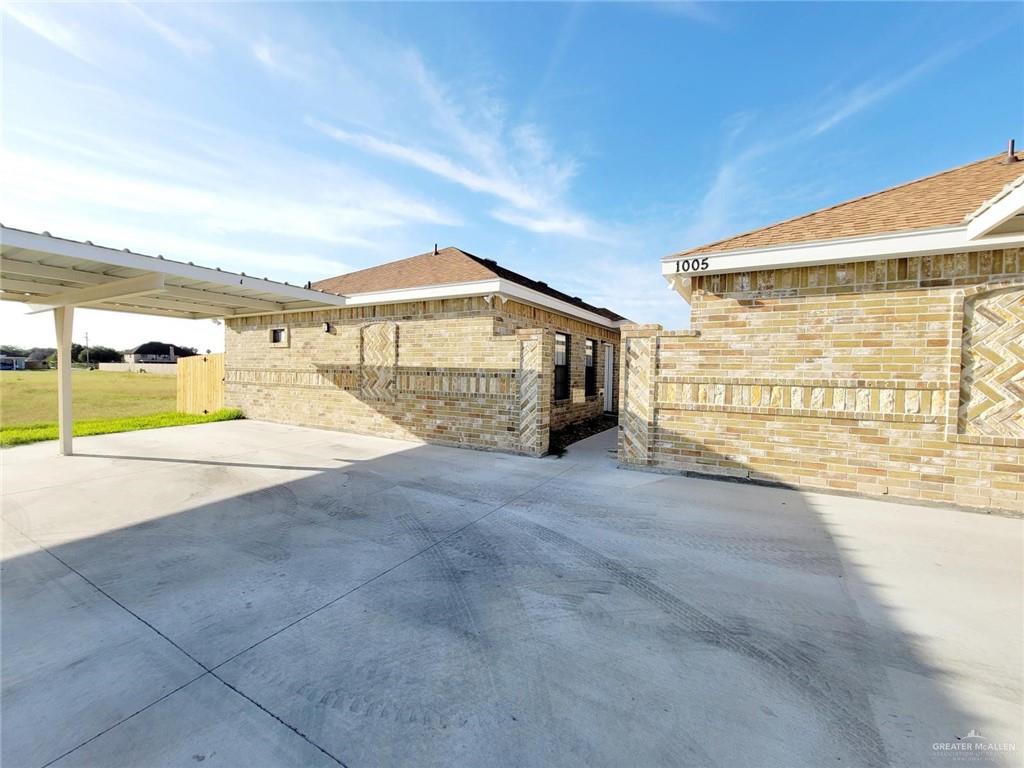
(86, 347)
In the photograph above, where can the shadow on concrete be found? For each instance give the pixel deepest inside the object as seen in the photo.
(432, 606)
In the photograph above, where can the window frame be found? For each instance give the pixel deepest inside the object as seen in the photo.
(283, 330)
(590, 367)
(563, 371)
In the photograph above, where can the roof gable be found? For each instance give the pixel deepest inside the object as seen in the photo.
(943, 199)
(447, 266)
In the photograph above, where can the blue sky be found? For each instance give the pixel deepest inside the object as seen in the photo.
(576, 143)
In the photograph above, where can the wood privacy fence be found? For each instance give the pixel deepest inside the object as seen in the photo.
(201, 383)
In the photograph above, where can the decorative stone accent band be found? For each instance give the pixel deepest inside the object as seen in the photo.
(854, 399)
(441, 381)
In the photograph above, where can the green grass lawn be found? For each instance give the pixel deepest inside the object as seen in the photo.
(102, 403)
(33, 433)
(30, 397)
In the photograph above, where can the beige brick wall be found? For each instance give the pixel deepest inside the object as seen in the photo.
(867, 377)
(578, 406)
(454, 371)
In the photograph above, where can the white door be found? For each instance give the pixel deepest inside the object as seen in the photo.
(609, 376)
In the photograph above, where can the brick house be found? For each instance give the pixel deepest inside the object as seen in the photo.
(443, 347)
(154, 352)
(874, 347)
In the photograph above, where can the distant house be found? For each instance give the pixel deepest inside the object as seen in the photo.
(10, 363)
(157, 352)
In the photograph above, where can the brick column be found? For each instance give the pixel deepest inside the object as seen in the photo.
(637, 393)
(536, 350)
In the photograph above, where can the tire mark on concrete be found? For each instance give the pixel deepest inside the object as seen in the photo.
(793, 665)
(459, 604)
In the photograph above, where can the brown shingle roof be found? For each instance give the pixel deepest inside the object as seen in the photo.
(944, 199)
(447, 266)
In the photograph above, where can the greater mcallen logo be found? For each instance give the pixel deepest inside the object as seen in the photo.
(973, 747)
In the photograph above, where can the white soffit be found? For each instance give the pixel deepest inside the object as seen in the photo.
(47, 271)
(997, 212)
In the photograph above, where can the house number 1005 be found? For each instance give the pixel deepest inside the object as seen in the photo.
(692, 265)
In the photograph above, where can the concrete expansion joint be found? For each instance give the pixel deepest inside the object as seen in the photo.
(210, 670)
(283, 722)
(206, 669)
(411, 557)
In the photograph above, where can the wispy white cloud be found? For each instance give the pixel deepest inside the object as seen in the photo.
(573, 226)
(482, 153)
(188, 43)
(865, 95)
(280, 61)
(735, 197)
(434, 163)
(42, 21)
(226, 208)
(722, 203)
(531, 210)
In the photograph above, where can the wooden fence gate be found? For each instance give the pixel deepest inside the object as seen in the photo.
(201, 383)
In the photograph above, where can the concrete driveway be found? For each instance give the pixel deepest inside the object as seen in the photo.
(247, 594)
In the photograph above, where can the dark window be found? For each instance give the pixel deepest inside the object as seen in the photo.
(562, 345)
(276, 335)
(590, 369)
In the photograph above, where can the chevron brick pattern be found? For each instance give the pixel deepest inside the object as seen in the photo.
(529, 396)
(636, 413)
(379, 356)
(992, 375)
(897, 378)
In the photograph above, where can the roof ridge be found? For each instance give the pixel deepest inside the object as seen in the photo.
(867, 196)
(1008, 188)
(388, 263)
(483, 266)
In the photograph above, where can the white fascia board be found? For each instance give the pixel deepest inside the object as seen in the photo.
(517, 291)
(32, 241)
(841, 250)
(480, 288)
(495, 286)
(425, 293)
(996, 214)
(398, 296)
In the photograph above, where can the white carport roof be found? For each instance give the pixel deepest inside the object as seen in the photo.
(37, 268)
(52, 273)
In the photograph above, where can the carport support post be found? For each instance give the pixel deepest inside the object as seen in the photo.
(63, 320)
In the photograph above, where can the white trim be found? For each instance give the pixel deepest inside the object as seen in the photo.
(842, 250)
(997, 212)
(247, 306)
(496, 286)
(680, 284)
(425, 293)
(42, 243)
(523, 293)
(609, 377)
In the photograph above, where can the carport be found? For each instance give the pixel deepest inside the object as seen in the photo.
(54, 274)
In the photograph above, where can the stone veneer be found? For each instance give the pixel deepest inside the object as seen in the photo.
(466, 372)
(901, 377)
